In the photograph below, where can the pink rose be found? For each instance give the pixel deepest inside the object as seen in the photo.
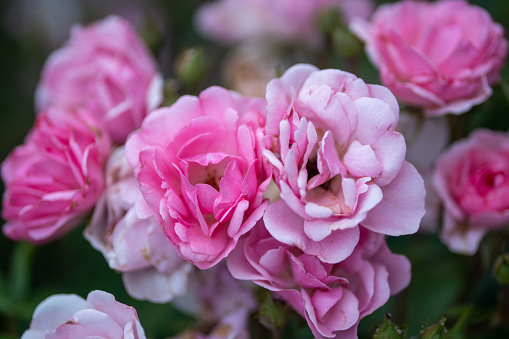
(131, 239)
(200, 169)
(294, 21)
(472, 180)
(441, 55)
(332, 297)
(54, 178)
(338, 163)
(106, 68)
(63, 316)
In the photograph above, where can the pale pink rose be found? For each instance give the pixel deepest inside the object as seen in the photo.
(426, 138)
(338, 162)
(442, 56)
(294, 21)
(200, 169)
(332, 297)
(472, 179)
(63, 316)
(106, 68)
(131, 239)
(219, 303)
(55, 178)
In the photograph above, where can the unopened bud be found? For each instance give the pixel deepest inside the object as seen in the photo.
(435, 331)
(329, 20)
(191, 66)
(345, 44)
(272, 315)
(388, 330)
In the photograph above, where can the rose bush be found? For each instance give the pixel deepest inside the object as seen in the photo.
(472, 179)
(131, 239)
(55, 177)
(200, 169)
(106, 68)
(64, 316)
(441, 55)
(338, 163)
(332, 297)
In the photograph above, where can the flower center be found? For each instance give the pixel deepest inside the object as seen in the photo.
(485, 180)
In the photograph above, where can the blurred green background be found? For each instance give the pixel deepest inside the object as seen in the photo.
(461, 287)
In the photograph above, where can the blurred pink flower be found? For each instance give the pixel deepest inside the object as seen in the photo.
(472, 179)
(233, 21)
(200, 169)
(332, 297)
(62, 316)
(338, 163)
(106, 68)
(441, 55)
(131, 239)
(54, 178)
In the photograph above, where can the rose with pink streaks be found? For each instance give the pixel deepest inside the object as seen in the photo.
(332, 297)
(442, 56)
(200, 169)
(55, 178)
(472, 179)
(338, 162)
(106, 68)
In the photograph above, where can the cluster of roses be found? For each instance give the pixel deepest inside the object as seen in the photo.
(442, 58)
(295, 191)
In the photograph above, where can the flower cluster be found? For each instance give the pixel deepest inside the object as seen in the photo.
(294, 192)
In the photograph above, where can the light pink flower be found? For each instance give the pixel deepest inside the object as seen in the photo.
(200, 169)
(441, 55)
(332, 297)
(338, 163)
(472, 179)
(294, 21)
(131, 239)
(54, 178)
(62, 316)
(106, 68)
